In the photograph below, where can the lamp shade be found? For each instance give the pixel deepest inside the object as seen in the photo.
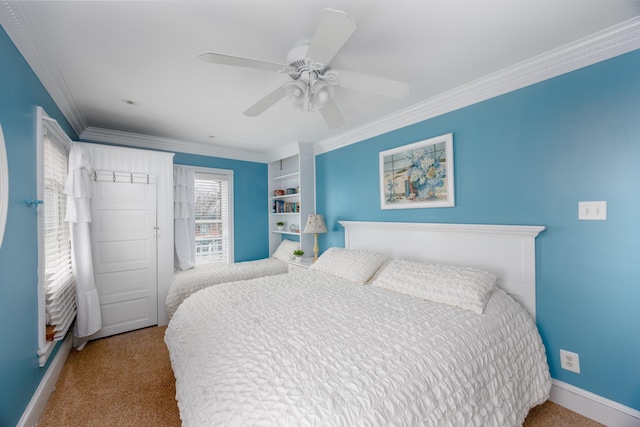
(315, 224)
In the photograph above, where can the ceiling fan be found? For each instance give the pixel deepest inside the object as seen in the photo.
(313, 81)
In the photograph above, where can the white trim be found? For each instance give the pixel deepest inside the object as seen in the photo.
(166, 144)
(611, 42)
(289, 150)
(229, 173)
(204, 169)
(593, 406)
(38, 402)
(44, 122)
(119, 148)
(600, 46)
(18, 25)
(525, 231)
(42, 349)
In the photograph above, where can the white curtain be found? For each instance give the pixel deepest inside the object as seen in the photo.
(78, 190)
(184, 217)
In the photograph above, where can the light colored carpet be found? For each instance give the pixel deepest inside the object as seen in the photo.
(123, 380)
(126, 380)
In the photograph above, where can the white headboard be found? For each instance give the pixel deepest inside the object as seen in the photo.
(505, 250)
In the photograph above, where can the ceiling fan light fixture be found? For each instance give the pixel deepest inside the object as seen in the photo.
(296, 92)
(321, 94)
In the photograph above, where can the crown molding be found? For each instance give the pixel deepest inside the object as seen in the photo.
(108, 136)
(609, 43)
(16, 21)
(289, 150)
(283, 152)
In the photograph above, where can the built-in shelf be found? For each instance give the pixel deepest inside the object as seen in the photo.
(287, 175)
(293, 233)
(286, 196)
(293, 172)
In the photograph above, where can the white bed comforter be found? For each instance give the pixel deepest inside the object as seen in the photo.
(190, 281)
(310, 349)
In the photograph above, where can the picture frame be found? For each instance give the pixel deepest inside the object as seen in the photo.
(418, 175)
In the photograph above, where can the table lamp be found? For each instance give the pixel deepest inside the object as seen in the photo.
(315, 225)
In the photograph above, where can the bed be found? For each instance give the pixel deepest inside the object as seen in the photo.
(187, 282)
(353, 340)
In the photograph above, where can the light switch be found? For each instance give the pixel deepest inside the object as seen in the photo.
(592, 211)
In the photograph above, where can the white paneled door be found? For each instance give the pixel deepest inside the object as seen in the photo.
(123, 232)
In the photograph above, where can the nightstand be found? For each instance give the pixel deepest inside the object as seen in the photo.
(301, 265)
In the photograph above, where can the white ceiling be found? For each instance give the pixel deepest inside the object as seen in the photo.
(92, 56)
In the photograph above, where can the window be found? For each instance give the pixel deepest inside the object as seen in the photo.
(213, 230)
(56, 287)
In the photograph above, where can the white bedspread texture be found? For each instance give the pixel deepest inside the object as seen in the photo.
(188, 282)
(309, 349)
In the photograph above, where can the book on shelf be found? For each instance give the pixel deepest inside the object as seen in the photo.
(280, 206)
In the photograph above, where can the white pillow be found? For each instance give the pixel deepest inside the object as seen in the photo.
(462, 287)
(355, 265)
(285, 250)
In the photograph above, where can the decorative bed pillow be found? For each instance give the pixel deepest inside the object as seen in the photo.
(285, 250)
(355, 265)
(463, 287)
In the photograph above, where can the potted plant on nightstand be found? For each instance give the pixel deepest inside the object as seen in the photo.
(280, 225)
(298, 253)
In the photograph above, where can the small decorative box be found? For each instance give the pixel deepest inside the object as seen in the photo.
(278, 193)
(291, 191)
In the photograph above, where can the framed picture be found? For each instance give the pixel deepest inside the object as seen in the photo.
(418, 175)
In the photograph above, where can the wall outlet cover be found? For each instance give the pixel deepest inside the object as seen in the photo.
(570, 361)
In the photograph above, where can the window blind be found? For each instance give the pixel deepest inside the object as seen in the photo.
(212, 218)
(58, 274)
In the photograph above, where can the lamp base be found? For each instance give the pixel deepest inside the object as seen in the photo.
(316, 249)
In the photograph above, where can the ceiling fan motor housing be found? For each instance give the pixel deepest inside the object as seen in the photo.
(298, 54)
(298, 60)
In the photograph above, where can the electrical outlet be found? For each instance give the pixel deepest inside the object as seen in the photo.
(570, 361)
(592, 211)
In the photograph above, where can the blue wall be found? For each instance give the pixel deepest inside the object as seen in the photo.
(528, 157)
(523, 158)
(20, 93)
(250, 210)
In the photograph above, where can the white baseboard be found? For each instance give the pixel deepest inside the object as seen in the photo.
(34, 410)
(592, 406)
(585, 403)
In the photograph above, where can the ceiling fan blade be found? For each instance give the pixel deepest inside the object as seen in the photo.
(332, 116)
(332, 33)
(238, 61)
(266, 102)
(373, 84)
